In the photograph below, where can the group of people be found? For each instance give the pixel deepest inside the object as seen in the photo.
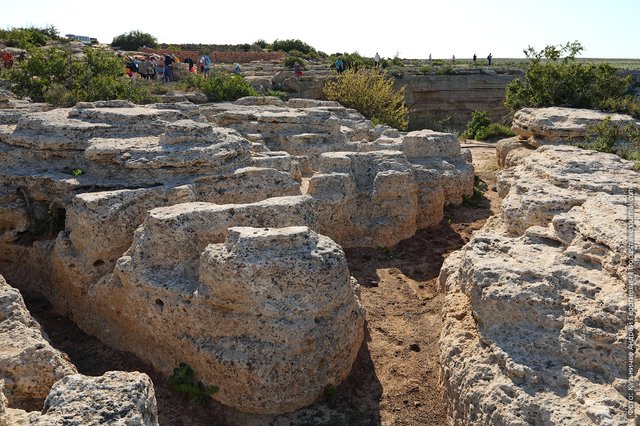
(157, 66)
(7, 58)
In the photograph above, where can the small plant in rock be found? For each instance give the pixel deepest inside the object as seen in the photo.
(330, 395)
(77, 172)
(183, 380)
(389, 252)
(278, 94)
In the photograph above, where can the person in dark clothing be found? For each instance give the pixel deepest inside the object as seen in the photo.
(168, 68)
(190, 62)
(489, 58)
(474, 58)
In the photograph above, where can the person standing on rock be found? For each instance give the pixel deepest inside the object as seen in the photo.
(474, 58)
(489, 58)
(236, 68)
(376, 59)
(339, 65)
(297, 69)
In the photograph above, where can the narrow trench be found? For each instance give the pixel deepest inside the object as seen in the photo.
(395, 379)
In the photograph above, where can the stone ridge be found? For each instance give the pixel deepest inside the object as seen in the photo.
(535, 308)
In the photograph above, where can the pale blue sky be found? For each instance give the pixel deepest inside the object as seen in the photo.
(608, 29)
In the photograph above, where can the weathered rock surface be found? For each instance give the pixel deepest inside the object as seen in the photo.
(278, 314)
(536, 309)
(511, 150)
(31, 370)
(554, 125)
(29, 366)
(113, 398)
(112, 201)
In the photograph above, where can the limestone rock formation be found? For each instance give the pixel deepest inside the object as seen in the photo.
(31, 370)
(109, 201)
(113, 398)
(29, 366)
(536, 306)
(278, 318)
(553, 125)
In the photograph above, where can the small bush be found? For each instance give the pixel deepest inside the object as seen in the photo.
(183, 380)
(220, 86)
(480, 128)
(613, 138)
(290, 61)
(57, 77)
(553, 80)
(28, 37)
(292, 44)
(134, 40)
(278, 94)
(371, 93)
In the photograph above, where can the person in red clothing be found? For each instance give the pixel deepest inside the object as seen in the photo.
(297, 69)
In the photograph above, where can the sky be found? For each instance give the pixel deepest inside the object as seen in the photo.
(411, 29)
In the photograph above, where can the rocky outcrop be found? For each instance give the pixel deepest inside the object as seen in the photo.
(555, 124)
(113, 398)
(536, 306)
(29, 366)
(112, 201)
(278, 314)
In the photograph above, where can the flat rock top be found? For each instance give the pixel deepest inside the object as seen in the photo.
(563, 123)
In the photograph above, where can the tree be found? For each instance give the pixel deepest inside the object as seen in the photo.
(370, 91)
(134, 40)
(554, 78)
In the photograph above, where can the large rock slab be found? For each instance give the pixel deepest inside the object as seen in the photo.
(536, 307)
(556, 124)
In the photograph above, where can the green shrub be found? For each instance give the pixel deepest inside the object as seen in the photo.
(183, 380)
(290, 61)
(57, 77)
(480, 128)
(221, 86)
(553, 80)
(28, 37)
(613, 138)
(134, 40)
(292, 44)
(371, 93)
(355, 60)
(278, 94)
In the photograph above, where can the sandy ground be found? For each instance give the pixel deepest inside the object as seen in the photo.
(395, 379)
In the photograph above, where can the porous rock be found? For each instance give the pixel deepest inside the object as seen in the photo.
(279, 316)
(535, 312)
(562, 125)
(29, 365)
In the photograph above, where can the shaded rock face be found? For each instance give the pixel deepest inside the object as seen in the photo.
(29, 365)
(536, 307)
(34, 374)
(112, 201)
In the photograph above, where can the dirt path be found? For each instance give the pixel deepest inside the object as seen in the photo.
(395, 378)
